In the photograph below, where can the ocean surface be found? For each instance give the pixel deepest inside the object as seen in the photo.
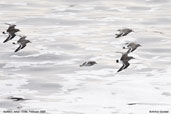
(66, 33)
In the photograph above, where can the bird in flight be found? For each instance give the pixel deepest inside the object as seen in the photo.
(89, 63)
(11, 32)
(125, 60)
(123, 32)
(22, 43)
(132, 46)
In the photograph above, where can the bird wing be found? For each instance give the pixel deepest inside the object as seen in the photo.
(126, 64)
(129, 50)
(121, 68)
(119, 35)
(124, 34)
(10, 28)
(133, 49)
(23, 46)
(7, 39)
(83, 64)
(12, 36)
(124, 56)
(18, 48)
(21, 39)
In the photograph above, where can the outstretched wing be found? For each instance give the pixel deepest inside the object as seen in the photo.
(125, 34)
(10, 28)
(83, 64)
(126, 64)
(7, 39)
(121, 68)
(12, 36)
(118, 35)
(129, 50)
(133, 49)
(18, 48)
(23, 46)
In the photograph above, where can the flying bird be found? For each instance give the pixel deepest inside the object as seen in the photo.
(89, 63)
(17, 98)
(22, 43)
(123, 32)
(131, 46)
(11, 32)
(125, 60)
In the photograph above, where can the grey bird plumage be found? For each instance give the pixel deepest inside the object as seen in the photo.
(132, 46)
(125, 61)
(22, 43)
(123, 32)
(17, 98)
(11, 32)
(89, 63)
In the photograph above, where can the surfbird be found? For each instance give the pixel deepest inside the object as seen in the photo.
(89, 63)
(18, 98)
(131, 46)
(22, 43)
(11, 32)
(125, 60)
(123, 32)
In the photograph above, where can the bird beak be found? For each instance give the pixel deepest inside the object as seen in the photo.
(133, 58)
